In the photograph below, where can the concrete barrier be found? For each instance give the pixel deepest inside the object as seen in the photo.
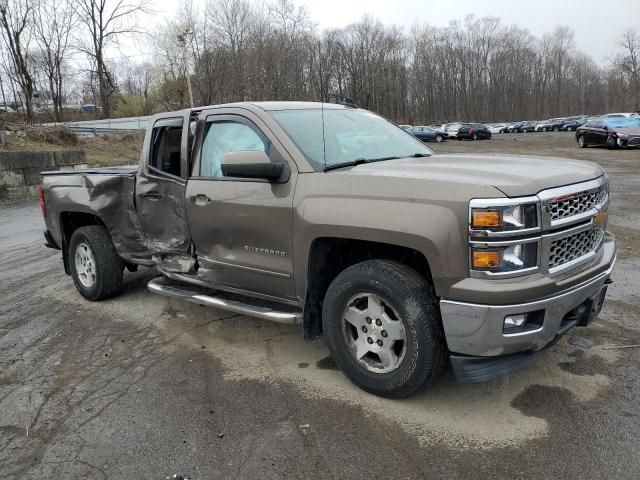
(20, 171)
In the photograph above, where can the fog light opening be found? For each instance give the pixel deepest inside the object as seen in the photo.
(515, 320)
(523, 322)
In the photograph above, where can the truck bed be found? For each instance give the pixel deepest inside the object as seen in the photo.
(107, 193)
(126, 170)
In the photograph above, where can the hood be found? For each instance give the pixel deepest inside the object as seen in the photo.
(631, 131)
(514, 175)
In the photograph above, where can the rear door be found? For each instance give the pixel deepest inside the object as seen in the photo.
(241, 228)
(598, 135)
(161, 185)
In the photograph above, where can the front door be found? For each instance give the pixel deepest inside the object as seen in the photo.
(161, 185)
(241, 228)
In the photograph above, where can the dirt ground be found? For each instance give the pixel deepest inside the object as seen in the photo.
(145, 387)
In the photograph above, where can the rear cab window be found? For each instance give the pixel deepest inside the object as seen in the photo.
(166, 145)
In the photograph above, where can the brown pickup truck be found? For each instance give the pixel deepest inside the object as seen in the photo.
(333, 217)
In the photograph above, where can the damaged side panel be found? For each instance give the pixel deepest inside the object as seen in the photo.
(108, 195)
(162, 215)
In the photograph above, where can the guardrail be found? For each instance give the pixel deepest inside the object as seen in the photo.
(111, 125)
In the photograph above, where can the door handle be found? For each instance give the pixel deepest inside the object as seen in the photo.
(151, 195)
(200, 199)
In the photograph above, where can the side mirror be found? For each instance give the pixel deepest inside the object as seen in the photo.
(250, 164)
(605, 127)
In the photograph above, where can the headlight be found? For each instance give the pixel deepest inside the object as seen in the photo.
(517, 257)
(487, 218)
(504, 238)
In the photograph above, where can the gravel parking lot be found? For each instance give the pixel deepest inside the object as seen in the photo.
(141, 386)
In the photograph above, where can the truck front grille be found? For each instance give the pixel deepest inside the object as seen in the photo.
(564, 250)
(577, 203)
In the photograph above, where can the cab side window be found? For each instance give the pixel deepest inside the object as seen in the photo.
(166, 142)
(224, 136)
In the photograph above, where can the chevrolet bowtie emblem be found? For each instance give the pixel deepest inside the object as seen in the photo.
(600, 217)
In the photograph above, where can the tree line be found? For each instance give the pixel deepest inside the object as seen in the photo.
(475, 69)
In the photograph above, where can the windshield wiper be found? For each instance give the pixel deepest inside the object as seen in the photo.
(361, 161)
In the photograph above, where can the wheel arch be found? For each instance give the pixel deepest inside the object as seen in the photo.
(69, 222)
(328, 256)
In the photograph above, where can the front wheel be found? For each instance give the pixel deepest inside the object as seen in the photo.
(556, 129)
(475, 136)
(383, 328)
(582, 142)
(96, 267)
(611, 142)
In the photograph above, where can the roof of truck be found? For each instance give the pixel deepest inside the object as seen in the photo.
(268, 106)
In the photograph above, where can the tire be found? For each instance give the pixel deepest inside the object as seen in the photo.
(475, 136)
(582, 143)
(556, 129)
(611, 143)
(96, 267)
(397, 291)
(439, 138)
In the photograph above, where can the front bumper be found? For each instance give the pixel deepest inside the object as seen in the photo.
(473, 329)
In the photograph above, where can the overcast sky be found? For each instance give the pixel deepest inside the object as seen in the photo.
(597, 24)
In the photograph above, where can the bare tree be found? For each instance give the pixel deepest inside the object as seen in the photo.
(106, 21)
(16, 17)
(476, 69)
(54, 21)
(629, 63)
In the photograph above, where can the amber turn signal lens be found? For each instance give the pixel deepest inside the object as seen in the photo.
(486, 259)
(486, 219)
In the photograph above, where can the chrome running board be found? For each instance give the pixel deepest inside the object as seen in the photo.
(164, 286)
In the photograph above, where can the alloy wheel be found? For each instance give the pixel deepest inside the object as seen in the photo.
(85, 264)
(374, 333)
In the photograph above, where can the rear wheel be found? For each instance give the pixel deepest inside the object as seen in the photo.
(556, 129)
(475, 136)
(96, 267)
(582, 142)
(383, 328)
(439, 138)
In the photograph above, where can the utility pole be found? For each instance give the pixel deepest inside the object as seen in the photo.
(182, 38)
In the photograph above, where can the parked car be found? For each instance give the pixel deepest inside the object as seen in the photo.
(573, 123)
(451, 129)
(401, 258)
(516, 127)
(405, 127)
(89, 107)
(427, 134)
(549, 125)
(610, 131)
(473, 131)
(618, 115)
(556, 125)
(496, 127)
(528, 127)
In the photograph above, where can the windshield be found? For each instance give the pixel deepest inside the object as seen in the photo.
(349, 136)
(628, 122)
